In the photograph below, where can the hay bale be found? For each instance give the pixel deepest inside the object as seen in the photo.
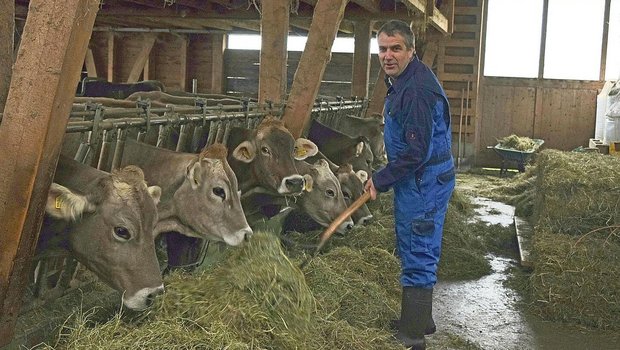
(576, 192)
(575, 279)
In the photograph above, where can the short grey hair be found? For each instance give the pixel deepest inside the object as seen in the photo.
(393, 27)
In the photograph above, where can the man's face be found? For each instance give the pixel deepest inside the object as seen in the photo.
(393, 54)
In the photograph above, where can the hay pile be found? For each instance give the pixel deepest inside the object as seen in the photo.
(576, 242)
(574, 201)
(519, 143)
(256, 297)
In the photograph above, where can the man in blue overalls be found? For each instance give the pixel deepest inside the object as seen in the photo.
(420, 169)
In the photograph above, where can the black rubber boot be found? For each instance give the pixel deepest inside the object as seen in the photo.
(431, 328)
(415, 314)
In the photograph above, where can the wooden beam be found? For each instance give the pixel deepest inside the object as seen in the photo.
(31, 135)
(361, 59)
(217, 63)
(543, 40)
(371, 6)
(430, 52)
(7, 15)
(143, 56)
(110, 57)
(307, 80)
(378, 95)
(183, 62)
(450, 15)
(605, 39)
(437, 19)
(89, 61)
(272, 81)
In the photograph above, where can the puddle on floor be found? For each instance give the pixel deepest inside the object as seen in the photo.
(484, 311)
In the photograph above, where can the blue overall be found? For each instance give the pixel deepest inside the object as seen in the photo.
(420, 169)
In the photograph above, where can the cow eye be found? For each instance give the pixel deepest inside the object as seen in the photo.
(218, 191)
(121, 234)
(346, 195)
(330, 193)
(265, 150)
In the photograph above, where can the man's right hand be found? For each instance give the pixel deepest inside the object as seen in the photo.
(370, 187)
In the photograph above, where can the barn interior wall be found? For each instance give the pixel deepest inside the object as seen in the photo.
(241, 70)
(562, 113)
(199, 62)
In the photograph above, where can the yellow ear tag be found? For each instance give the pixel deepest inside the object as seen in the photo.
(300, 152)
(58, 202)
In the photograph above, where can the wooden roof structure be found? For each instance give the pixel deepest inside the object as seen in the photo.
(244, 16)
(51, 53)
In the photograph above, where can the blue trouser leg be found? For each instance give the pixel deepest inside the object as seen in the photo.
(419, 211)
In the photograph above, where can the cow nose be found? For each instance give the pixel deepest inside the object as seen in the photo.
(366, 220)
(150, 298)
(349, 227)
(295, 184)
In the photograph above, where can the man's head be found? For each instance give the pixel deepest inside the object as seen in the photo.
(396, 47)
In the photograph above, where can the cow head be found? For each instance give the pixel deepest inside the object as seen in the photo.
(352, 184)
(270, 151)
(209, 197)
(360, 157)
(111, 232)
(322, 200)
(375, 137)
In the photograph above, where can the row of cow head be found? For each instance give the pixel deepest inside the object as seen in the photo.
(109, 221)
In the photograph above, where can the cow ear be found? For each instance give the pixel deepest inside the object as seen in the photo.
(308, 183)
(359, 148)
(245, 152)
(155, 193)
(193, 174)
(362, 175)
(64, 204)
(322, 163)
(304, 148)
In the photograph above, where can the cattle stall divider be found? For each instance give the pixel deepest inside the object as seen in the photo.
(101, 131)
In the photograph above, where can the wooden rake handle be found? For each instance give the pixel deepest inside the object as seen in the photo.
(329, 231)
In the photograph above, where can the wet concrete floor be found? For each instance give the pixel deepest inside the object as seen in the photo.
(485, 312)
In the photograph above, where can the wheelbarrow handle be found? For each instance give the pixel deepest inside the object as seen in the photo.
(329, 231)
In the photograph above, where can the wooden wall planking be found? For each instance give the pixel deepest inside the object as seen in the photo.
(99, 45)
(562, 113)
(167, 61)
(127, 49)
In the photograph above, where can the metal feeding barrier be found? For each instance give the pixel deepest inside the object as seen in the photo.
(104, 129)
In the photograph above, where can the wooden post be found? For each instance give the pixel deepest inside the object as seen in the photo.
(378, 95)
(89, 61)
(361, 59)
(272, 79)
(307, 81)
(143, 56)
(45, 76)
(217, 62)
(183, 63)
(7, 15)
(110, 56)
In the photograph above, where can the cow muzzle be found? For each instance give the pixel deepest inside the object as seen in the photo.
(291, 185)
(365, 220)
(143, 298)
(345, 227)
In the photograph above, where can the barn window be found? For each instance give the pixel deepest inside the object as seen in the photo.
(512, 42)
(573, 39)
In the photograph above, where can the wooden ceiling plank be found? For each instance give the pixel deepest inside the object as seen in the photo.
(371, 6)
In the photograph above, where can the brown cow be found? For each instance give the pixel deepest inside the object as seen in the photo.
(106, 221)
(200, 191)
(352, 184)
(341, 148)
(322, 199)
(371, 128)
(264, 157)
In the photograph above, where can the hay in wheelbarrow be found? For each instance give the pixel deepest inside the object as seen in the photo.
(519, 143)
(254, 299)
(576, 244)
